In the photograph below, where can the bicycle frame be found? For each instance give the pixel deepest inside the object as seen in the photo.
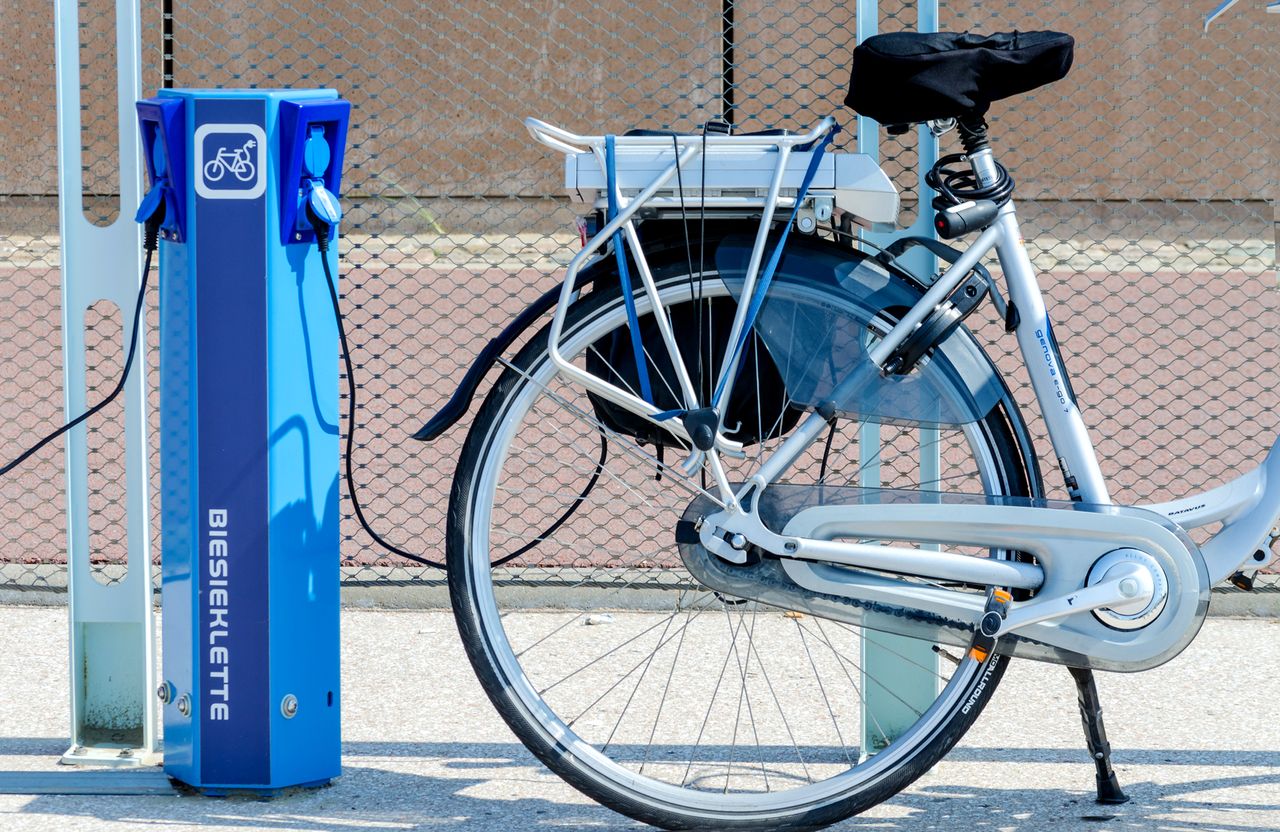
(1248, 507)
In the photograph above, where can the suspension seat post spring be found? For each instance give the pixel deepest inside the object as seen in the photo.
(973, 134)
(980, 178)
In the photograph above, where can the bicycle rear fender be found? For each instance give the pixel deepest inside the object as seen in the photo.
(661, 239)
(839, 285)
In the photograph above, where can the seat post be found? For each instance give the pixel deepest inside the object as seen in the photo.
(973, 136)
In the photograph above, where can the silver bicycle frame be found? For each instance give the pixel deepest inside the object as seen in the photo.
(1248, 507)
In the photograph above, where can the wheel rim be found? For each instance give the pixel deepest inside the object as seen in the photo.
(593, 744)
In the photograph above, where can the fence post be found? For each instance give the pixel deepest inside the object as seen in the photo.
(113, 705)
(727, 58)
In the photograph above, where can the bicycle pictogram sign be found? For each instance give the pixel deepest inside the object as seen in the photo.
(230, 159)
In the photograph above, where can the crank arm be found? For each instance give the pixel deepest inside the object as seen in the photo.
(1135, 588)
(1123, 588)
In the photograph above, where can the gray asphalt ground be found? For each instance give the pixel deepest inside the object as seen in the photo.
(1197, 746)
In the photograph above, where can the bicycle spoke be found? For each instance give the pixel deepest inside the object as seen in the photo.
(856, 689)
(666, 688)
(706, 719)
(624, 676)
(835, 723)
(887, 689)
(627, 445)
(640, 678)
(785, 722)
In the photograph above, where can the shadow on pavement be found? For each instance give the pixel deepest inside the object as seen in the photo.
(499, 786)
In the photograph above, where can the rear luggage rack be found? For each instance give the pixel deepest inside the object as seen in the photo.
(621, 175)
(738, 173)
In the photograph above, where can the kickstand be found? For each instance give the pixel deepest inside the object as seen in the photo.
(1095, 734)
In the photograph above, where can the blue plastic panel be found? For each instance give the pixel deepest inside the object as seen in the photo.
(164, 149)
(296, 119)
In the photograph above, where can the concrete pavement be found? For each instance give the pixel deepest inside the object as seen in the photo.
(1197, 746)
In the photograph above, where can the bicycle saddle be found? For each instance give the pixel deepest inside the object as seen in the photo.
(909, 77)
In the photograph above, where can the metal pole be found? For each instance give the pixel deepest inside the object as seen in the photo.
(898, 673)
(113, 704)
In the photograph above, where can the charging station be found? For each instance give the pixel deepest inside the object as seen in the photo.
(249, 433)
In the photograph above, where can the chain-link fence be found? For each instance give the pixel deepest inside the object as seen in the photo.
(1146, 181)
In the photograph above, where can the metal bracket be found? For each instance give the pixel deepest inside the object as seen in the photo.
(113, 703)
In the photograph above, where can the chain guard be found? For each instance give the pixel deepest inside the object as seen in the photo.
(764, 579)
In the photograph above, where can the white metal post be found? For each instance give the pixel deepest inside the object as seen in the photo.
(113, 707)
(898, 674)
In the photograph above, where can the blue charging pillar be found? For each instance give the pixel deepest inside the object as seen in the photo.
(249, 436)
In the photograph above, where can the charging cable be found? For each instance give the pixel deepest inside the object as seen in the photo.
(150, 235)
(321, 227)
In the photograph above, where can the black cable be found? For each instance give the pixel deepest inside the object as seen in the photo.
(150, 246)
(322, 242)
(960, 184)
(684, 214)
(826, 451)
(564, 518)
(694, 298)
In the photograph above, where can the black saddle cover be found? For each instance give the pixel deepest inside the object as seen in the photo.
(909, 77)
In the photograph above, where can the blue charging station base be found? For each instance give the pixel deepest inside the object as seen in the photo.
(249, 437)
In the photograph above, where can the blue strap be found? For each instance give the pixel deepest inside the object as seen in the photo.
(664, 415)
(766, 276)
(624, 274)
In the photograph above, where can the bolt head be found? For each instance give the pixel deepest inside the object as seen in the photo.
(1129, 587)
(184, 705)
(289, 706)
(738, 541)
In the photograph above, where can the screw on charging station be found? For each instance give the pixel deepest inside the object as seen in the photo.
(166, 692)
(184, 705)
(289, 706)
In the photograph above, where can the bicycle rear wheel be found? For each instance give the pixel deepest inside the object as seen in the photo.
(674, 704)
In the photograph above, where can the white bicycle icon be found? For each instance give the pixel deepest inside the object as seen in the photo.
(236, 160)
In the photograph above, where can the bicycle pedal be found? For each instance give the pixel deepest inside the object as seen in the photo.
(995, 613)
(999, 602)
(982, 647)
(1242, 581)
